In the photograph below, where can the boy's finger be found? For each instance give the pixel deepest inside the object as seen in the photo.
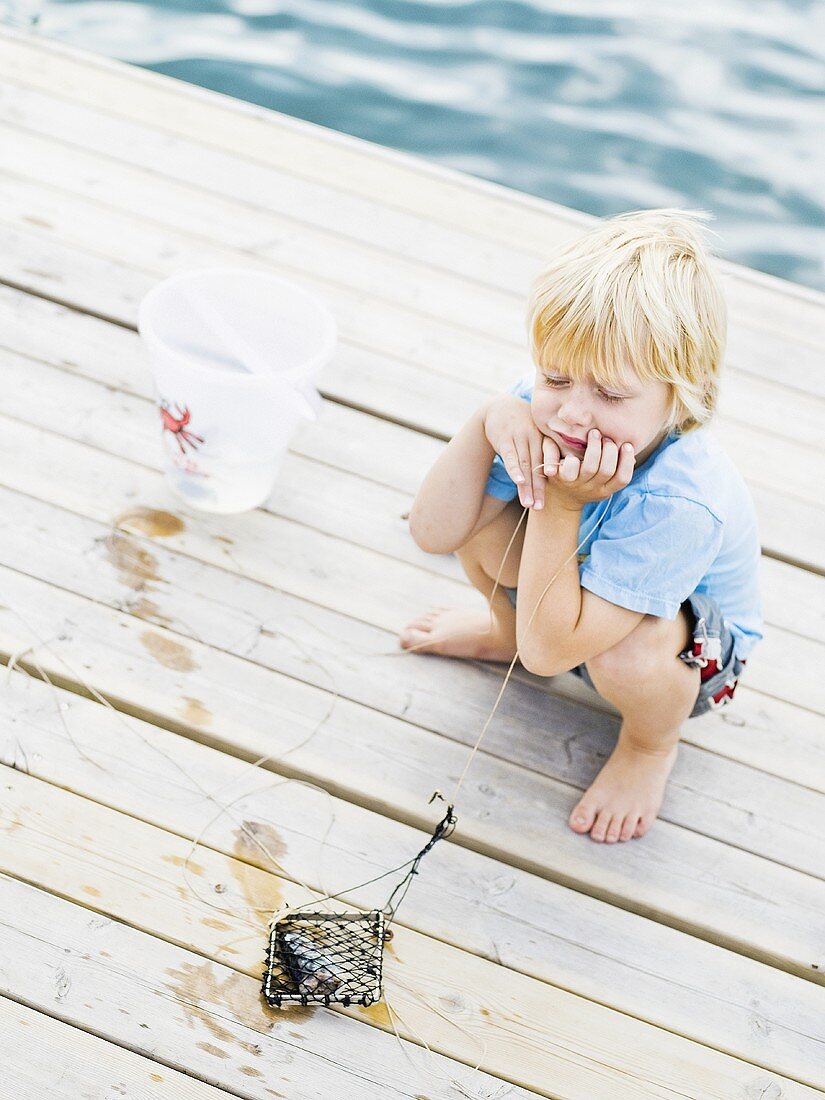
(569, 469)
(537, 470)
(610, 458)
(624, 469)
(552, 457)
(592, 455)
(526, 482)
(510, 460)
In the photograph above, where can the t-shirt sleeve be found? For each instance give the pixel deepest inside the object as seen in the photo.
(499, 483)
(652, 553)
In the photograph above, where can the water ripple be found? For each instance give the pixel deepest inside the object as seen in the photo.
(626, 105)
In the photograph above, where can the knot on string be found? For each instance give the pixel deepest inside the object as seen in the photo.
(445, 828)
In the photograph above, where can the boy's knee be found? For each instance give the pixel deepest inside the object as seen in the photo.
(637, 656)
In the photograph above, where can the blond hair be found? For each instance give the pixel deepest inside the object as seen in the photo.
(638, 290)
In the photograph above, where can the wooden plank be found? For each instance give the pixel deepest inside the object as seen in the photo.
(137, 244)
(295, 564)
(79, 1066)
(201, 1018)
(360, 380)
(414, 284)
(572, 1048)
(719, 798)
(485, 209)
(353, 579)
(344, 439)
(725, 895)
(758, 726)
(422, 278)
(568, 939)
(112, 291)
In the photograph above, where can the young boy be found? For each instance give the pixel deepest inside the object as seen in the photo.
(607, 445)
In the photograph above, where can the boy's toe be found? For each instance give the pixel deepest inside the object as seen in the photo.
(599, 830)
(614, 829)
(581, 819)
(629, 827)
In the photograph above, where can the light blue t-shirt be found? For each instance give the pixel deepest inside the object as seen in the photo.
(686, 523)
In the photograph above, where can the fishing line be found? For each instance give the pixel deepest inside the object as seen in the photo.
(442, 830)
(393, 1012)
(14, 663)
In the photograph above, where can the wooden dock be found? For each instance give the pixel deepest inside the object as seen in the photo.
(687, 964)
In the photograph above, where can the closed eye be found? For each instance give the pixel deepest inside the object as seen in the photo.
(557, 383)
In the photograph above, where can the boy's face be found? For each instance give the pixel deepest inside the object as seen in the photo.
(634, 413)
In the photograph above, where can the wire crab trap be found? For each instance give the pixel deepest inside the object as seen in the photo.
(336, 958)
(325, 958)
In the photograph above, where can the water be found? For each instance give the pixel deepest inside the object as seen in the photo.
(601, 107)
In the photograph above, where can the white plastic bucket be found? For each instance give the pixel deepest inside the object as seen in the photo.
(234, 354)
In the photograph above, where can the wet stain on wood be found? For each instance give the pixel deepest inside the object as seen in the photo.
(151, 521)
(257, 840)
(155, 1077)
(261, 891)
(92, 890)
(168, 653)
(378, 1013)
(135, 565)
(210, 1049)
(250, 1071)
(195, 713)
(178, 861)
(199, 990)
(296, 1014)
(146, 609)
(218, 925)
(225, 538)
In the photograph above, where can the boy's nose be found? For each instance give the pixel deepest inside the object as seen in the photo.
(575, 415)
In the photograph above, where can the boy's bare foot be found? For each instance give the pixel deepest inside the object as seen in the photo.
(625, 796)
(458, 632)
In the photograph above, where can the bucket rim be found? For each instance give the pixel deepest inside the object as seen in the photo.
(306, 372)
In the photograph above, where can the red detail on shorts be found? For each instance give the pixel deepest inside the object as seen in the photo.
(725, 693)
(705, 655)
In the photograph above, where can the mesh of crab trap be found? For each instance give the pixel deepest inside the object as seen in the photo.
(325, 958)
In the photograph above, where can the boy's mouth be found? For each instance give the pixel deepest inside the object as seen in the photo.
(579, 444)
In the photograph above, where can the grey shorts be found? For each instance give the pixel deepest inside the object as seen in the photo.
(711, 652)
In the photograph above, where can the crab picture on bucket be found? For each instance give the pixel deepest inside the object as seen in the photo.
(177, 425)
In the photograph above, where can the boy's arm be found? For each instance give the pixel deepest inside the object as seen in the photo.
(572, 624)
(448, 506)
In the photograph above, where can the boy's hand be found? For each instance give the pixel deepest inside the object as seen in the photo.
(603, 469)
(512, 433)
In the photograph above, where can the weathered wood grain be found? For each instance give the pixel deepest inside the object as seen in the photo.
(518, 920)
(185, 1011)
(299, 637)
(677, 876)
(101, 258)
(78, 1065)
(566, 1046)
